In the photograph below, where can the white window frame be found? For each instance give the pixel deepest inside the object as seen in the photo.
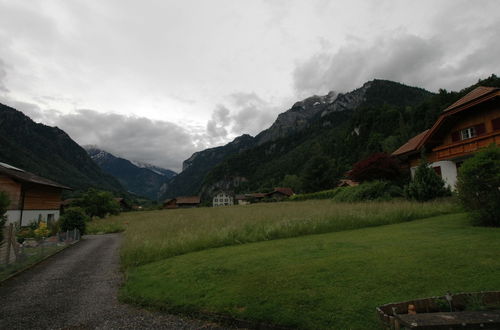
(468, 133)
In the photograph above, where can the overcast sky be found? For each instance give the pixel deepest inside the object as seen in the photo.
(155, 81)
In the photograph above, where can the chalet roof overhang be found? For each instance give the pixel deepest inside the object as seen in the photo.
(470, 101)
(23, 176)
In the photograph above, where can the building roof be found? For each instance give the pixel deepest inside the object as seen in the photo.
(241, 197)
(188, 200)
(24, 176)
(283, 190)
(256, 195)
(411, 145)
(471, 96)
(476, 96)
(347, 183)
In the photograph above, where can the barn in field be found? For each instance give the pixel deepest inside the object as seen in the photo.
(280, 193)
(466, 126)
(32, 198)
(182, 202)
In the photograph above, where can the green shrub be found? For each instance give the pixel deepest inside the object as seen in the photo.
(479, 186)
(99, 203)
(373, 190)
(74, 217)
(325, 194)
(4, 204)
(426, 184)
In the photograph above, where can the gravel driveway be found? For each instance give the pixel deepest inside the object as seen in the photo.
(77, 289)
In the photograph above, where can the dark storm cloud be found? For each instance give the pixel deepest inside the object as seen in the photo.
(442, 61)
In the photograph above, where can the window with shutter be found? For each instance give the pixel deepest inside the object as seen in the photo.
(496, 124)
(468, 133)
(480, 129)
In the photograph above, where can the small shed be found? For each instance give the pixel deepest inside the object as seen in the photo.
(280, 193)
(182, 202)
(242, 199)
(170, 203)
(188, 201)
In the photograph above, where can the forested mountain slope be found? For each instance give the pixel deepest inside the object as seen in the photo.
(49, 152)
(140, 179)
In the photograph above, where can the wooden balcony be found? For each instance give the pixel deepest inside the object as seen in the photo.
(465, 147)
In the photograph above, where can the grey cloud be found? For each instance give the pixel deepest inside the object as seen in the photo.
(3, 74)
(216, 126)
(253, 113)
(437, 62)
(136, 138)
(242, 113)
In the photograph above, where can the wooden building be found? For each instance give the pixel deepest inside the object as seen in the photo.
(32, 198)
(280, 193)
(182, 202)
(471, 123)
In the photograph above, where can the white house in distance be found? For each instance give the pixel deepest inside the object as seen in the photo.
(32, 198)
(223, 199)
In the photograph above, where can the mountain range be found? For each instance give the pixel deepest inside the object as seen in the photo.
(311, 145)
(138, 178)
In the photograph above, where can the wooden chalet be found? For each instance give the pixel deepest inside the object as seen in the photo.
(280, 193)
(471, 123)
(32, 198)
(182, 202)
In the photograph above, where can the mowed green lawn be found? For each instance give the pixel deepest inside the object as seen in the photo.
(156, 235)
(332, 280)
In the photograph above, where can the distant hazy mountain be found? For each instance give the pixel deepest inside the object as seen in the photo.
(139, 178)
(49, 152)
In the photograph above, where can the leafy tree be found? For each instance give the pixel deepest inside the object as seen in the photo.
(99, 203)
(4, 204)
(379, 166)
(318, 174)
(74, 217)
(292, 181)
(479, 186)
(426, 184)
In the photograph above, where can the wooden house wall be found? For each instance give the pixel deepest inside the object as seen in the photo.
(484, 116)
(13, 190)
(38, 197)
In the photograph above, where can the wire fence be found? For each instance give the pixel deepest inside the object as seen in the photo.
(16, 254)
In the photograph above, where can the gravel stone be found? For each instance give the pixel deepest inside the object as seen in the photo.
(77, 289)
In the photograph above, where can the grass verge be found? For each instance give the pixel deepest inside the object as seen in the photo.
(156, 235)
(331, 280)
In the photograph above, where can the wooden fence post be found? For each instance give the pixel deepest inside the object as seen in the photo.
(8, 241)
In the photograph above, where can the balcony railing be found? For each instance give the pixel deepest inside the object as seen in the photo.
(465, 147)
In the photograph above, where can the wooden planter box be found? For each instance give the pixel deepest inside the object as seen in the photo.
(435, 313)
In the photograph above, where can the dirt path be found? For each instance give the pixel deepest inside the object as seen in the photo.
(77, 289)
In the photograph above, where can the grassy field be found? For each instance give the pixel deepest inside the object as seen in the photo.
(332, 280)
(156, 235)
